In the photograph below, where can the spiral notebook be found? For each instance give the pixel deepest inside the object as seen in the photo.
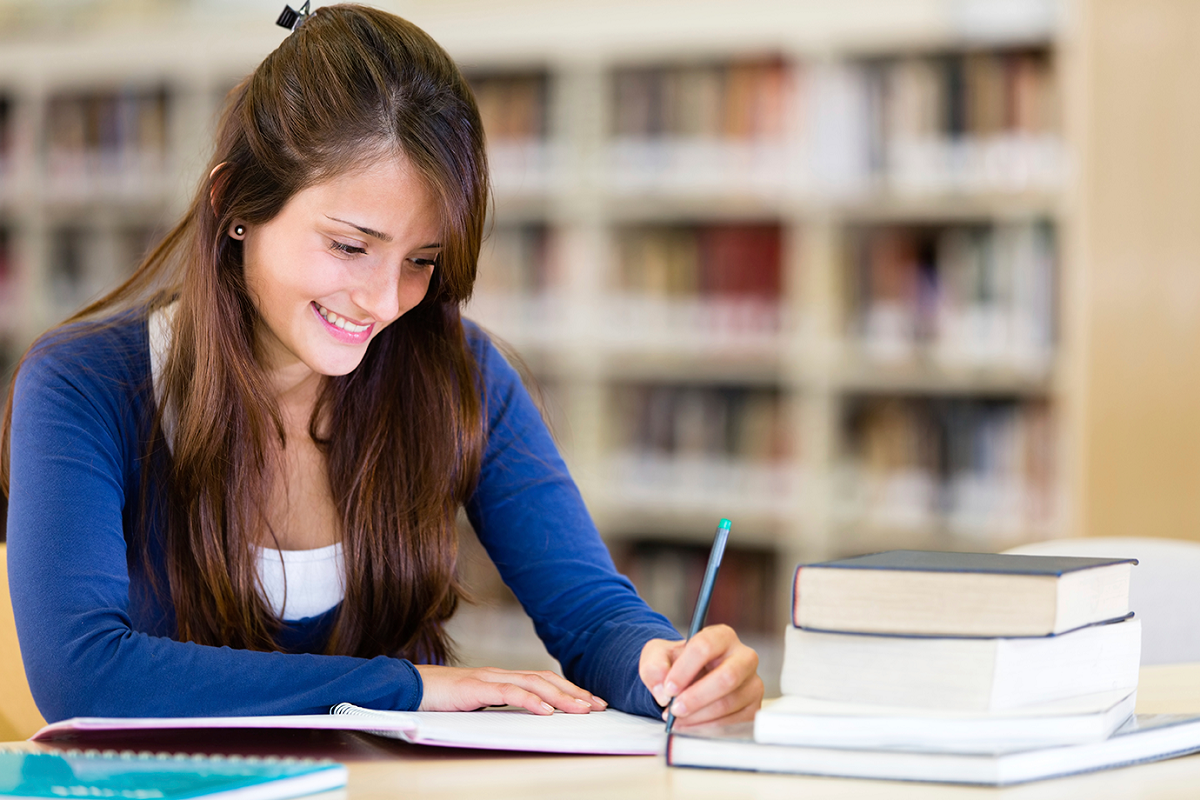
(160, 776)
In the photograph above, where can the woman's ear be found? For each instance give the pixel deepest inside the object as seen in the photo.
(217, 178)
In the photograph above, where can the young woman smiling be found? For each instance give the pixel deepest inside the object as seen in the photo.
(234, 481)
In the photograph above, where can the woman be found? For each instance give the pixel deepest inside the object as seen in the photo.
(285, 390)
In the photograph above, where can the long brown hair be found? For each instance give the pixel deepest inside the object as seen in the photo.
(403, 433)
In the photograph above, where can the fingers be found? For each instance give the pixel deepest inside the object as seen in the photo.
(540, 692)
(706, 647)
(714, 677)
(655, 663)
(739, 705)
(550, 687)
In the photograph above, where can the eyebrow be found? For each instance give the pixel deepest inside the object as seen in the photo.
(383, 237)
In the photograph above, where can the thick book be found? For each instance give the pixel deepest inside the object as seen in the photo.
(608, 732)
(966, 674)
(928, 593)
(161, 776)
(1143, 738)
(818, 723)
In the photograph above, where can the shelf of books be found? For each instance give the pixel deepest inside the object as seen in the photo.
(809, 280)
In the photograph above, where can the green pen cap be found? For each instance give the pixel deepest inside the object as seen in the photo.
(725, 525)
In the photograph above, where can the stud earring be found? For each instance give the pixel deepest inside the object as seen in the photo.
(239, 230)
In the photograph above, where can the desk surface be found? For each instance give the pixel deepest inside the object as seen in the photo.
(381, 768)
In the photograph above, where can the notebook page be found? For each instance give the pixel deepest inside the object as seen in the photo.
(608, 732)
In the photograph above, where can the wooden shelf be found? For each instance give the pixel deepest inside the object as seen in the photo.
(588, 186)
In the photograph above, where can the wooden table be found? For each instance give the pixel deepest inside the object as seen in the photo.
(381, 768)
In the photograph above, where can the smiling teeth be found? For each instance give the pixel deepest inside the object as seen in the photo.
(341, 322)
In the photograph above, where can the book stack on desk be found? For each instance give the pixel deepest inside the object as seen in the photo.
(940, 666)
(960, 652)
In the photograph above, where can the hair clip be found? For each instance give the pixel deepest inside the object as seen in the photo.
(291, 19)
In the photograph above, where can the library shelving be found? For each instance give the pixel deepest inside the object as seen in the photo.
(798, 269)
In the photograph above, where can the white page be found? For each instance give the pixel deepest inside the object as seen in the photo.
(603, 732)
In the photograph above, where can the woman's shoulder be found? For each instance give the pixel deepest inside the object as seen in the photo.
(111, 350)
(493, 356)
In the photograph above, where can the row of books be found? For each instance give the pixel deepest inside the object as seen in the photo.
(977, 120)
(513, 106)
(668, 576)
(107, 132)
(737, 423)
(736, 100)
(964, 296)
(950, 667)
(82, 263)
(517, 260)
(984, 467)
(6, 254)
(714, 259)
(742, 260)
(683, 448)
(6, 132)
(962, 122)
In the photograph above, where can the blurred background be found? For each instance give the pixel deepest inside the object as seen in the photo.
(856, 274)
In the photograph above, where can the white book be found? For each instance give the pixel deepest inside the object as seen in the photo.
(1143, 738)
(820, 723)
(608, 732)
(966, 674)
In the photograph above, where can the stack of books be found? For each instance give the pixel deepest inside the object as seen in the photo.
(956, 667)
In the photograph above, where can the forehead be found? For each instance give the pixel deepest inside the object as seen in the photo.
(386, 194)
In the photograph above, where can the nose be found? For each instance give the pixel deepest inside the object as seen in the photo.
(379, 292)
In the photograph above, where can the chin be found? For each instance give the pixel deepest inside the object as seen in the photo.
(332, 366)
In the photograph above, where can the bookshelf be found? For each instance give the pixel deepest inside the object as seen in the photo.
(801, 267)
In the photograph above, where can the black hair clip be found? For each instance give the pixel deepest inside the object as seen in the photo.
(291, 19)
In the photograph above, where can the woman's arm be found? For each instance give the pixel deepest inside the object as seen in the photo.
(73, 443)
(530, 517)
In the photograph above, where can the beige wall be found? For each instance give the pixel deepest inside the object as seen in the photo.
(1139, 268)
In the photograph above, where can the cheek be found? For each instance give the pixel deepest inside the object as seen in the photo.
(414, 287)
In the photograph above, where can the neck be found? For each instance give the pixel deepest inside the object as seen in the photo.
(295, 385)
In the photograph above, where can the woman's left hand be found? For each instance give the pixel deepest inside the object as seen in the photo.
(712, 676)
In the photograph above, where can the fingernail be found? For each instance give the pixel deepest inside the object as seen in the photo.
(671, 688)
(679, 709)
(582, 702)
(548, 707)
(597, 701)
(664, 716)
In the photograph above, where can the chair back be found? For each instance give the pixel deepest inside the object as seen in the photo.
(19, 716)
(1164, 591)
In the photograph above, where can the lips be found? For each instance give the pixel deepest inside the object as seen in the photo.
(341, 329)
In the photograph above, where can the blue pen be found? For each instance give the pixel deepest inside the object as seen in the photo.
(706, 590)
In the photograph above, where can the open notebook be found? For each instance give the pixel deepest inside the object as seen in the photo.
(607, 732)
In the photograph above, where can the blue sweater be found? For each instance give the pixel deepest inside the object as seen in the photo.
(79, 420)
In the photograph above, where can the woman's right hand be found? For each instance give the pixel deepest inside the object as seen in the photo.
(466, 689)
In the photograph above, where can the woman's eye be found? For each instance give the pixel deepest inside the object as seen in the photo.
(349, 249)
(425, 263)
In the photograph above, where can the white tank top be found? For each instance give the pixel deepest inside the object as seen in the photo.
(294, 583)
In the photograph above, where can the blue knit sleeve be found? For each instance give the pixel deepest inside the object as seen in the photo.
(530, 517)
(72, 445)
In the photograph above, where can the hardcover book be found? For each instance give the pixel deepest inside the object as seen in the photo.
(930, 593)
(956, 673)
(1144, 738)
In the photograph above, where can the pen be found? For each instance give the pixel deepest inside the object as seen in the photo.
(706, 589)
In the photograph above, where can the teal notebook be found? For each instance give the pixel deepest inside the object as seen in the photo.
(149, 776)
